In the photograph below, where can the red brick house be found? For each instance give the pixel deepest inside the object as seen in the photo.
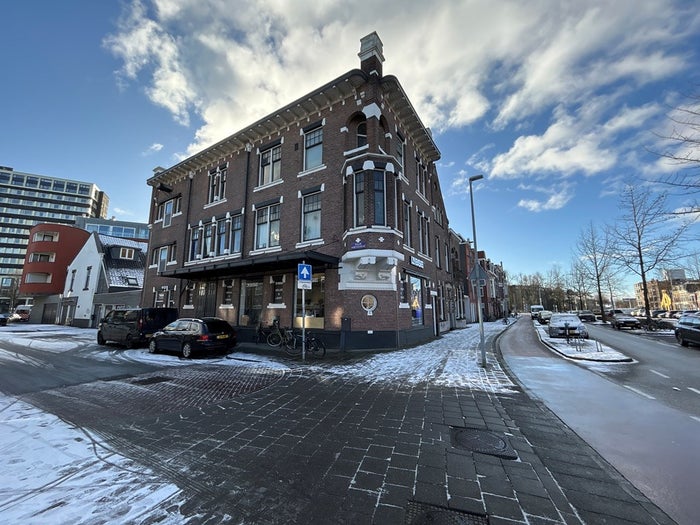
(342, 179)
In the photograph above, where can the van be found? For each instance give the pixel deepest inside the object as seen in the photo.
(535, 309)
(22, 312)
(133, 327)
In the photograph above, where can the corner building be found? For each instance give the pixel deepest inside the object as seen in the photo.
(342, 179)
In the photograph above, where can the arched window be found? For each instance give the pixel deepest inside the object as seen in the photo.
(361, 134)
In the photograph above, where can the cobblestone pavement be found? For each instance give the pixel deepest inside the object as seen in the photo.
(260, 445)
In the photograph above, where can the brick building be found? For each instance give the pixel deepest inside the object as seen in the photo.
(342, 179)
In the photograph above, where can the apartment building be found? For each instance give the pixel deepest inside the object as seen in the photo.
(342, 179)
(27, 200)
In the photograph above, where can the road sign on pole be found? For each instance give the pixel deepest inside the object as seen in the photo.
(304, 277)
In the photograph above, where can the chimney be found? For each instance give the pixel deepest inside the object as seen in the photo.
(371, 55)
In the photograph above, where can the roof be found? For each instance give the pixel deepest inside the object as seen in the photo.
(123, 273)
(332, 92)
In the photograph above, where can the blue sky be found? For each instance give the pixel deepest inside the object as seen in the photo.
(556, 103)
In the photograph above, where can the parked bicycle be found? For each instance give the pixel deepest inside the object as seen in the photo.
(315, 347)
(279, 336)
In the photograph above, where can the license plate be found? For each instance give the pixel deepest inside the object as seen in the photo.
(222, 336)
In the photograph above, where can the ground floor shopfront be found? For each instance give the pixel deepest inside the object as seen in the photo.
(413, 311)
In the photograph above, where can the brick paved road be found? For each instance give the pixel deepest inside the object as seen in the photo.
(258, 445)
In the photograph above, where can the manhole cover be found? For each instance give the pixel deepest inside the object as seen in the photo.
(150, 380)
(425, 514)
(482, 441)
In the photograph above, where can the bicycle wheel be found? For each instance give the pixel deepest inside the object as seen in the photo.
(292, 347)
(274, 339)
(317, 348)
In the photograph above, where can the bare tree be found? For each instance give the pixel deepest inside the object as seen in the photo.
(645, 238)
(579, 283)
(595, 257)
(692, 266)
(682, 148)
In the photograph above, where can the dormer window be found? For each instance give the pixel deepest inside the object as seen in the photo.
(126, 253)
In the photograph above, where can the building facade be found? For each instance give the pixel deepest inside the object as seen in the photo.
(50, 250)
(342, 179)
(27, 200)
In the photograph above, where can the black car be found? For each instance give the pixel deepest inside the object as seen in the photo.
(188, 335)
(688, 329)
(586, 316)
(621, 320)
(133, 327)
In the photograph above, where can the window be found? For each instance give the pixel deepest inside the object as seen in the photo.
(217, 184)
(46, 236)
(270, 165)
(447, 257)
(37, 278)
(207, 240)
(416, 293)
(437, 252)
(423, 234)
(311, 217)
(359, 199)
(162, 258)
(313, 148)
(87, 278)
(221, 237)
(361, 134)
(407, 223)
(236, 234)
(400, 149)
(126, 253)
(195, 249)
(267, 231)
(379, 202)
(228, 292)
(167, 213)
(189, 293)
(72, 280)
(42, 257)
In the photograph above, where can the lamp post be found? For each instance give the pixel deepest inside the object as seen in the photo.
(477, 275)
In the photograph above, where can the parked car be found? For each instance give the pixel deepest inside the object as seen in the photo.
(21, 313)
(561, 324)
(657, 313)
(670, 314)
(188, 335)
(586, 316)
(685, 312)
(620, 320)
(535, 309)
(543, 316)
(133, 327)
(688, 329)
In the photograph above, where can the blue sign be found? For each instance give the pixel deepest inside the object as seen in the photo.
(304, 276)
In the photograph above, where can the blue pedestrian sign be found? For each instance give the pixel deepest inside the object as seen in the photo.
(304, 277)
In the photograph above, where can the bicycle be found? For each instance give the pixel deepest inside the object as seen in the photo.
(314, 345)
(277, 336)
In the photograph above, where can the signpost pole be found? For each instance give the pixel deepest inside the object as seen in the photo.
(303, 324)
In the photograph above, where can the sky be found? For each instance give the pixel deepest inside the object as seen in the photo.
(57, 472)
(557, 104)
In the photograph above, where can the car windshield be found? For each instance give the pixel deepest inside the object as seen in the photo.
(571, 319)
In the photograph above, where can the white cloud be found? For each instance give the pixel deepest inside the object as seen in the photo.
(557, 199)
(153, 148)
(231, 66)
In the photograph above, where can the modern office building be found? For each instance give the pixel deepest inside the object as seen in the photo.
(28, 199)
(136, 231)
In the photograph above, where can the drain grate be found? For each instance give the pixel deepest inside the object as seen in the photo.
(425, 514)
(482, 441)
(150, 380)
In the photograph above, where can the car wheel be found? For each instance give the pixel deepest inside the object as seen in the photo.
(681, 341)
(152, 346)
(100, 339)
(186, 350)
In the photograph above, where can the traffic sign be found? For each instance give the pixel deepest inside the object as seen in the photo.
(304, 276)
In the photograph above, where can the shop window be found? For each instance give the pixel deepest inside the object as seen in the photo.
(314, 301)
(416, 291)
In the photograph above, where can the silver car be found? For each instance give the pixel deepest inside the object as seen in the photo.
(567, 325)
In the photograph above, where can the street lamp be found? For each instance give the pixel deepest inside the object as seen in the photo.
(477, 275)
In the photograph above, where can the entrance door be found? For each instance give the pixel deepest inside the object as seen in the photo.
(206, 304)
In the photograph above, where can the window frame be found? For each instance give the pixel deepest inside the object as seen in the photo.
(270, 157)
(309, 214)
(267, 225)
(313, 142)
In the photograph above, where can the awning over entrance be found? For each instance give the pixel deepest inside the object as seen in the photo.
(251, 266)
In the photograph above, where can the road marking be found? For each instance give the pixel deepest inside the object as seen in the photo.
(694, 390)
(639, 392)
(696, 418)
(659, 374)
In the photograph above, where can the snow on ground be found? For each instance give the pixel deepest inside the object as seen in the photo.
(52, 472)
